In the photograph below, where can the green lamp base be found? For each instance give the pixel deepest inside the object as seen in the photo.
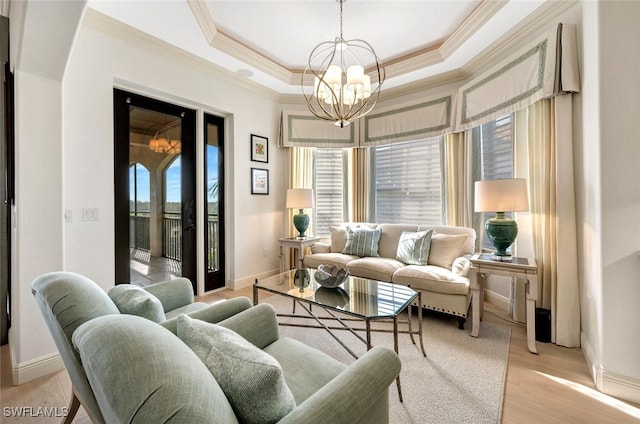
(502, 232)
(301, 222)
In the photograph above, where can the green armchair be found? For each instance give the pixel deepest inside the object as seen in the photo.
(141, 372)
(68, 300)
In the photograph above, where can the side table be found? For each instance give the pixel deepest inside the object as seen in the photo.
(482, 265)
(298, 243)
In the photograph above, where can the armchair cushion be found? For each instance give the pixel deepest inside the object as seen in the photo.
(413, 247)
(141, 373)
(251, 379)
(134, 300)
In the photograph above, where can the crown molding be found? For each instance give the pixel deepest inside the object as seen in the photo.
(430, 55)
(472, 24)
(515, 37)
(107, 25)
(229, 45)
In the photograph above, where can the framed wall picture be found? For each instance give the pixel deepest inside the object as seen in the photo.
(259, 148)
(259, 181)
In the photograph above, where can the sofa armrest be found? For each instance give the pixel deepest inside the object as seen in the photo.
(258, 324)
(214, 313)
(321, 247)
(173, 294)
(369, 377)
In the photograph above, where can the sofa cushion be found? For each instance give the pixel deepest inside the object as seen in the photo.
(413, 247)
(374, 268)
(431, 278)
(338, 238)
(362, 242)
(388, 245)
(134, 300)
(251, 379)
(445, 249)
(338, 259)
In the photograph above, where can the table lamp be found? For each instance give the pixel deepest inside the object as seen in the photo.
(500, 196)
(300, 198)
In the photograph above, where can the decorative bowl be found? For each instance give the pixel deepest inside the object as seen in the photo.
(330, 276)
(336, 297)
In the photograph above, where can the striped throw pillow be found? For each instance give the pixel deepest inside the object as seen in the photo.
(362, 242)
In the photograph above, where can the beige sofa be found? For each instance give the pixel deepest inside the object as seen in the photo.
(443, 280)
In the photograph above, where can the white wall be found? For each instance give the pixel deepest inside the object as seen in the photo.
(65, 162)
(608, 193)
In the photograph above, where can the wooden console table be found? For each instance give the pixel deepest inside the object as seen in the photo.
(525, 268)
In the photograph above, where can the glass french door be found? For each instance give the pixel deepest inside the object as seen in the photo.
(154, 171)
(214, 205)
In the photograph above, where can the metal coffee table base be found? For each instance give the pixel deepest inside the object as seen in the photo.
(367, 329)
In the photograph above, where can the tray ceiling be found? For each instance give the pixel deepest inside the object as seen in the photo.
(269, 41)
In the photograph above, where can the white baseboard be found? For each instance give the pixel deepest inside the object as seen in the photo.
(612, 384)
(497, 300)
(249, 281)
(35, 368)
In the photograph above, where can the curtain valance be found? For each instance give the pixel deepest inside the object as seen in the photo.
(546, 67)
(302, 129)
(426, 118)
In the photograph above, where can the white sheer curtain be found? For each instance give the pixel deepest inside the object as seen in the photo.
(547, 126)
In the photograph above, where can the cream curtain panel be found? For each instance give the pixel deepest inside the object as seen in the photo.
(300, 176)
(458, 179)
(360, 185)
(548, 129)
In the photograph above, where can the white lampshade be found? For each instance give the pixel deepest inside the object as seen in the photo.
(506, 195)
(299, 198)
(355, 78)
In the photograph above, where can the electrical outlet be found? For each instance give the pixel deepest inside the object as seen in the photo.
(265, 253)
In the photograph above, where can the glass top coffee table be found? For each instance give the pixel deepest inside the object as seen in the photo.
(357, 299)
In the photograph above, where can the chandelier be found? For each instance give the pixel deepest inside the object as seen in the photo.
(342, 91)
(166, 144)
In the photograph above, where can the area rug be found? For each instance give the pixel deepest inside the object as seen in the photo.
(460, 381)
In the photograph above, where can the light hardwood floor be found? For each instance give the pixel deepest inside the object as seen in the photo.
(551, 387)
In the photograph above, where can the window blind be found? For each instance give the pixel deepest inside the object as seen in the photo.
(329, 189)
(408, 182)
(497, 149)
(496, 146)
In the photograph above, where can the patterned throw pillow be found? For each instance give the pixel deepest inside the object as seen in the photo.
(135, 300)
(251, 379)
(362, 242)
(413, 247)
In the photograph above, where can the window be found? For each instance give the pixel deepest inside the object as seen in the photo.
(496, 147)
(408, 182)
(329, 189)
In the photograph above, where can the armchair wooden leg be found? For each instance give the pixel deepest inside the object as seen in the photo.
(74, 405)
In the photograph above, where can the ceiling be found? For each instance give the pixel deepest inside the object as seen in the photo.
(268, 41)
